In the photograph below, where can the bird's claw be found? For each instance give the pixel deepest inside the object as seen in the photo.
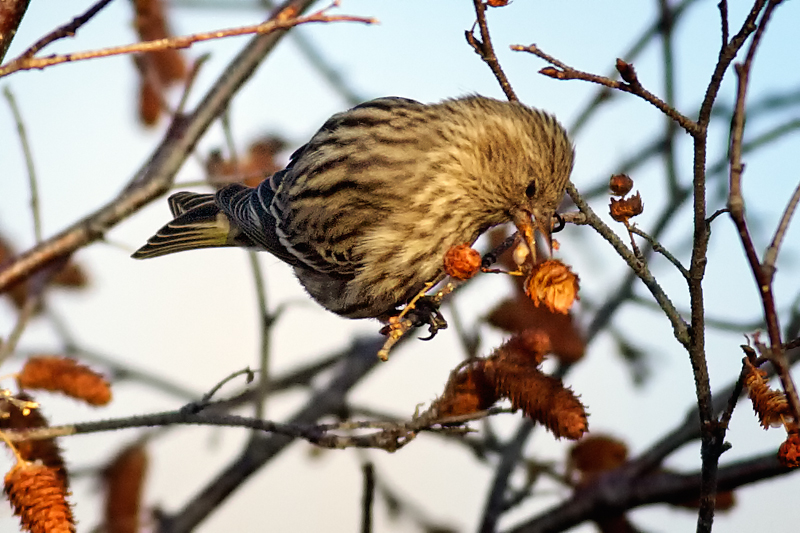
(426, 311)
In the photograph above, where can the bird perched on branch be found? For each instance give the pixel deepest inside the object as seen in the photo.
(367, 209)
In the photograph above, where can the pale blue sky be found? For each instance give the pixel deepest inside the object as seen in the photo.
(192, 316)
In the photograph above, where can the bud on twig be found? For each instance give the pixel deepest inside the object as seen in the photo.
(553, 72)
(627, 72)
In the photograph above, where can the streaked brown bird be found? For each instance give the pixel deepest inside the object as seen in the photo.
(367, 209)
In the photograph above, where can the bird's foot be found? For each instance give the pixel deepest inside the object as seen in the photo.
(421, 310)
(426, 312)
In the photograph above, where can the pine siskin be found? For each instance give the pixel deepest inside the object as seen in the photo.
(366, 211)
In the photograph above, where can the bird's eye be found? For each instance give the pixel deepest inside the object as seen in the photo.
(530, 190)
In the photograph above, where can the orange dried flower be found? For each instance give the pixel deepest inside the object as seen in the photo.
(65, 375)
(626, 71)
(17, 416)
(620, 184)
(462, 262)
(789, 452)
(467, 391)
(39, 499)
(622, 210)
(597, 453)
(770, 405)
(124, 480)
(553, 284)
(497, 3)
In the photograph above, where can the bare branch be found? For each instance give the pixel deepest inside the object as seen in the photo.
(633, 86)
(641, 270)
(771, 255)
(763, 276)
(26, 150)
(282, 21)
(485, 49)
(657, 247)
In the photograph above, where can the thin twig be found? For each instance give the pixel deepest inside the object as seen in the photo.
(640, 269)
(634, 247)
(727, 54)
(346, 434)
(657, 247)
(771, 255)
(712, 433)
(714, 216)
(485, 49)
(23, 318)
(265, 321)
(191, 78)
(511, 454)
(26, 150)
(215, 389)
(67, 30)
(603, 94)
(763, 277)
(723, 15)
(565, 72)
(733, 399)
(666, 31)
(616, 491)
(26, 62)
(368, 497)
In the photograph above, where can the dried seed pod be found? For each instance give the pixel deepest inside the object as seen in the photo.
(553, 284)
(622, 210)
(620, 184)
(462, 262)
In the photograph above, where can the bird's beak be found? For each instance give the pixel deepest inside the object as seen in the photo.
(527, 227)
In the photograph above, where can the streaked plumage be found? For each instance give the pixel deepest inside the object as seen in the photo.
(367, 209)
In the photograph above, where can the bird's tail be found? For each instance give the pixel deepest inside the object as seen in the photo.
(198, 223)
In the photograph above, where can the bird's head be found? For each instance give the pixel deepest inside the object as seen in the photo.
(518, 165)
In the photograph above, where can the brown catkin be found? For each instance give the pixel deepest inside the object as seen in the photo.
(45, 451)
(124, 480)
(67, 376)
(39, 499)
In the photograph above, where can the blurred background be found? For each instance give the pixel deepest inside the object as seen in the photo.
(192, 319)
